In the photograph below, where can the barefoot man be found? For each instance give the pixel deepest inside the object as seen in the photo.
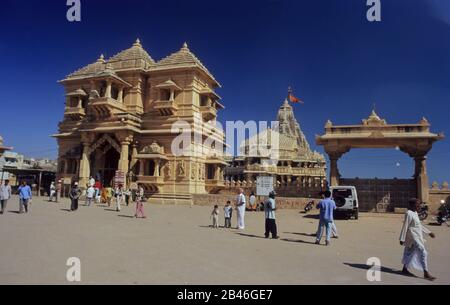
(415, 255)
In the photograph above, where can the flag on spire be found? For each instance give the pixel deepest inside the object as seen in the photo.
(292, 98)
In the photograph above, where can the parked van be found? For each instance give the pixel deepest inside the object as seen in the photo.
(346, 199)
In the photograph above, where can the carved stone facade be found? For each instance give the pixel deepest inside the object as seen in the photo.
(297, 170)
(119, 116)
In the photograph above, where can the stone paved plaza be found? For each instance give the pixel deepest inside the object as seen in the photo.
(176, 246)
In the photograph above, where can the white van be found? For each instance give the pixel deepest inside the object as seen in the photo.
(346, 199)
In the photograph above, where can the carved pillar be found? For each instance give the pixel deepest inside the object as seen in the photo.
(157, 165)
(84, 164)
(120, 95)
(134, 154)
(172, 95)
(108, 89)
(217, 173)
(125, 141)
(142, 167)
(422, 178)
(334, 170)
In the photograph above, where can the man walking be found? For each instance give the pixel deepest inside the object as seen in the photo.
(240, 205)
(5, 194)
(74, 195)
(52, 192)
(415, 255)
(25, 197)
(269, 211)
(327, 207)
(58, 190)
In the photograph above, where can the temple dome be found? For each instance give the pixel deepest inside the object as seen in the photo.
(184, 58)
(134, 57)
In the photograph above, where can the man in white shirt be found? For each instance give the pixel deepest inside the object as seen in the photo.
(240, 205)
(411, 236)
(5, 194)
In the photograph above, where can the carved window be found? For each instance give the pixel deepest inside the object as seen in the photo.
(150, 168)
(210, 172)
(164, 94)
(114, 92)
(204, 100)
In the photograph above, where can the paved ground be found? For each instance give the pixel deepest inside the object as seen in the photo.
(176, 246)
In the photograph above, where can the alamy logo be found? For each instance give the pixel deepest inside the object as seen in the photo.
(374, 272)
(374, 12)
(74, 12)
(73, 274)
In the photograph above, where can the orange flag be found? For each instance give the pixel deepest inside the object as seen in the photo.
(294, 99)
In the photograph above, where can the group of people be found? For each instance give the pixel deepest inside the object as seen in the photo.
(411, 237)
(96, 194)
(241, 207)
(25, 196)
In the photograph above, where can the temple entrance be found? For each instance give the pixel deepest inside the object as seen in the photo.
(416, 140)
(104, 160)
(111, 164)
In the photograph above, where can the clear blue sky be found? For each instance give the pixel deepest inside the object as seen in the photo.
(335, 60)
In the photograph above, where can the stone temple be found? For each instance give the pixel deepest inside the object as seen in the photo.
(119, 114)
(298, 171)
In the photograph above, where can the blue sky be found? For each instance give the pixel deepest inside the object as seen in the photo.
(335, 60)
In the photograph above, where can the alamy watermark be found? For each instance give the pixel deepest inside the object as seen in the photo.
(73, 274)
(74, 11)
(242, 139)
(374, 272)
(374, 11)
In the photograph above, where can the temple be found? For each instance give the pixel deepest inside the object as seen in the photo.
(298, 171)
(119, 114)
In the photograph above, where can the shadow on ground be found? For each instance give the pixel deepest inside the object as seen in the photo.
(302, 234)
(383, 269)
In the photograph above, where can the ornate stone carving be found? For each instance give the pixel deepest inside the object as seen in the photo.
(153, 148)
(193, 171)
(168, 169)
(181, 168)
(445, 185)
(435, 185)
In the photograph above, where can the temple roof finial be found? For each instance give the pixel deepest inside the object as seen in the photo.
(137, 43)
(101, 58)
(185, 45)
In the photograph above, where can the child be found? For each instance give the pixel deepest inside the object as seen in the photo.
(139, 203)
(90, 194)
(215, 217)
(228, 213)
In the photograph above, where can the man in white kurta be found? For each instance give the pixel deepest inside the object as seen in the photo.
(415, 255)
(240, 205)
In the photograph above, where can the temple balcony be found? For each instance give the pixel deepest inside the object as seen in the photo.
(208, 112)
(75, 113)
(166, 108)
(104, 107)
